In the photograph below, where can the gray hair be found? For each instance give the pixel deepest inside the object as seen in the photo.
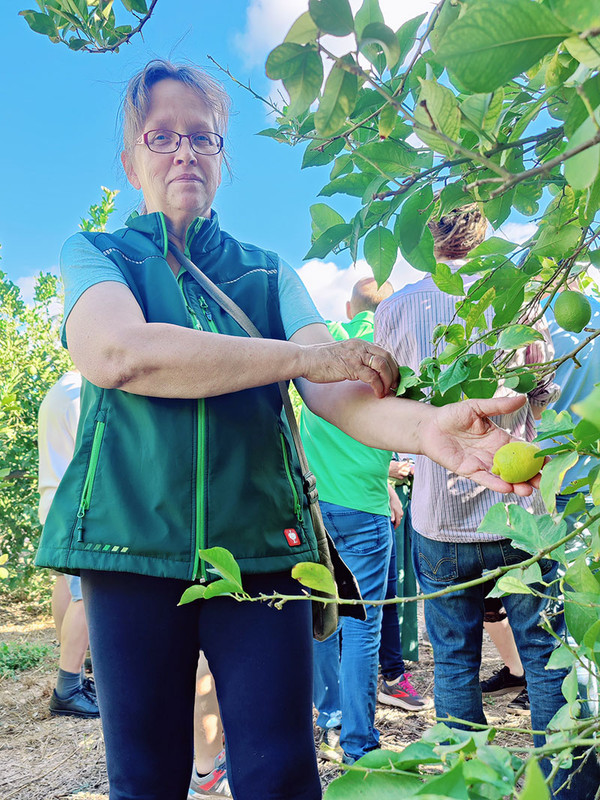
(136, 103)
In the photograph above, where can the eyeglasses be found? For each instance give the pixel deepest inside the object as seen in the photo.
(162, 141)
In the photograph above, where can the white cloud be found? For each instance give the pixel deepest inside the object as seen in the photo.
(330, 286)
(268, 21)
(27, 286)
(518, 232)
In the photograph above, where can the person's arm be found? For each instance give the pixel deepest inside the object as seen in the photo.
(114, 347)
(396, 510)
(459, 436)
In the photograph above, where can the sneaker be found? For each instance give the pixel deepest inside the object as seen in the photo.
(81, 704)
(329, 744)
(520, 705)
(215, 784)
(501, 682)
(402, 694)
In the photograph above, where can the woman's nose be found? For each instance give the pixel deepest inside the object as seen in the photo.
(184, 153)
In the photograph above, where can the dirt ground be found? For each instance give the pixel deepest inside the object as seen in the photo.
(52, 758)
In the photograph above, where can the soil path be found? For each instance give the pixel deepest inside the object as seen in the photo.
(62, 758)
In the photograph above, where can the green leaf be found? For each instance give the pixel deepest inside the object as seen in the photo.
(581, 613)
(332, 16)
(224, 563)
(421, 257)
(589, 408)
(303, 30)
(77, 44)
(518, 336)
(553, 424)
(380, 34)
(579, 15)
(448, 281)
(317, 154)
(493, 42)
(583, 52)
(301, 70)
(354, 184)
(220, 588)
(338, 100)
(195, 592)
(560, 658)
(40, 23)
(388, 117)
(380, 251)
(556, 243)
(315, 576)
(451, 197)
(406, 38)
(475, 316)
(323, 217)
(581, 578)
(412, 220)
(492, 246)
(328, 240)
(529, 532)
(581, 170)
(369, 12)
(455, 374)
(534, 787)
(509, 584)
(553, 475)
(437, 109)
(391, 157)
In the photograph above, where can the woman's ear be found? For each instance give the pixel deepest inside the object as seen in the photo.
(129, 170)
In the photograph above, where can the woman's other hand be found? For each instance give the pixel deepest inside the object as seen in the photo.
(353, 360)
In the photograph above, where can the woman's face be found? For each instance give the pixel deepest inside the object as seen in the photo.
(182, 184)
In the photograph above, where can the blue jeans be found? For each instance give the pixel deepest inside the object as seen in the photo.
(345, 665)
(455, 628)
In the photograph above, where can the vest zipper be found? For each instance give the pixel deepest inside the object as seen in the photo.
(200, 494)
(297, 503)
(86, 494)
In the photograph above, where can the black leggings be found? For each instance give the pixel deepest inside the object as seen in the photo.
(261, 659)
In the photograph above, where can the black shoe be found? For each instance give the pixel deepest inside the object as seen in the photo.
(501, 682)
(520, 705)
(89, 686)
(81, 704)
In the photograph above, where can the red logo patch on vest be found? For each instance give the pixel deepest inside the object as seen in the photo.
(293, 539)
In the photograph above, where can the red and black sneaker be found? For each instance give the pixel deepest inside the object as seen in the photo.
(402, 694)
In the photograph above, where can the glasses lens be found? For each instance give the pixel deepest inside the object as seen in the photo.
(206, 142)
(162, 141)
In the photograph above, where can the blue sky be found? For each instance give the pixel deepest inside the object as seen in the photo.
(62, 108)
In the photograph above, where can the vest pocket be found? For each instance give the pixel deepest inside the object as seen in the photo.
(88, 484)
(288, 472)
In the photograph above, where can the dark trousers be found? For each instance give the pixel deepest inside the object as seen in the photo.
(145, 651)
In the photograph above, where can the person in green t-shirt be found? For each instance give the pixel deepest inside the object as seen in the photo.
(355, 501)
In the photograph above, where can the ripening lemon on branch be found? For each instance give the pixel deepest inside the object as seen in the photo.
(517, 462)
(572, 311)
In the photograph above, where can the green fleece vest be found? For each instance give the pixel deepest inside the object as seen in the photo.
(153, 480)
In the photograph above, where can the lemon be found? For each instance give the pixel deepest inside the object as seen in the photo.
(572, 311)
(517, 462)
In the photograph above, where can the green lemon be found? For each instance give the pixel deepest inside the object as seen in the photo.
(517, 462)
(572, 311)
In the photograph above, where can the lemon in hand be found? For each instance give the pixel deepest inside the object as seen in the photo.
(517, 462)
(572, 311)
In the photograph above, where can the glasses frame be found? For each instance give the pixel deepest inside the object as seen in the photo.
(181, 136)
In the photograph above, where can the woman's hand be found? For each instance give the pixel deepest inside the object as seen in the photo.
(396, 510)
(353, 360)
(462, 438)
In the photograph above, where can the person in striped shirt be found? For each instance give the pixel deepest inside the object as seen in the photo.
(448, 549)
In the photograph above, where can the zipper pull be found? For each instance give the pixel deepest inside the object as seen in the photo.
(205, 308)
(79, 526)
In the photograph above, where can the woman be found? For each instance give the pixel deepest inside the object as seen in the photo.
(182, 445)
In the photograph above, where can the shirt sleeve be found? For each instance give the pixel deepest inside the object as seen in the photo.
(296, 305)
(539, 352)
(81, 266)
